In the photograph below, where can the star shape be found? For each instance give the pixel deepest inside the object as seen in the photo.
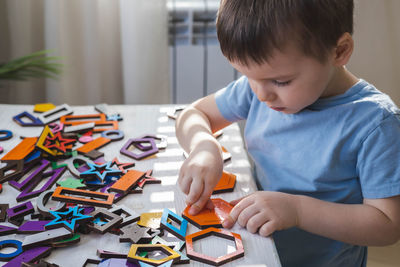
(148, 179)
(72, 183)
(100, 171)
(58, 142)
(135, 234)
(122, 166)
(67, 218)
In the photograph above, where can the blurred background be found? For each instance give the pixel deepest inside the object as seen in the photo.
(156, 51)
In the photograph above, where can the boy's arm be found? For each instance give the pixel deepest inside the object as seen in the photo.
(376, 222)
(203, 168)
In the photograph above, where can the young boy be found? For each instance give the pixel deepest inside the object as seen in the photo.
(326, 144)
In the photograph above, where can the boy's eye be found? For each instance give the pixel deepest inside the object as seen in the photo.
(280, 83)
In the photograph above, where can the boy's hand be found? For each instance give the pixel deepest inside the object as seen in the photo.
(264, 211)
(199, 175)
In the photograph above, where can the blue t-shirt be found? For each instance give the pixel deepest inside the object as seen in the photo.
(341, 149)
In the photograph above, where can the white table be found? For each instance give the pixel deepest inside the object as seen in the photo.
(137, 121)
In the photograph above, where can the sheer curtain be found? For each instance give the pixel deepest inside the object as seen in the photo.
(112, 51)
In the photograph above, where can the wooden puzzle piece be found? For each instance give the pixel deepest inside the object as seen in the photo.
(79, 128)
(5, 135)
(56, 127)
(29, 192)
(114, 118)
(128, 216)
(114, 135)
(160, 145)
(171, 255)
(46, 237)
(71, 182)
(122, 166)
(29, 256)
(11, 170)
(59, 143)
(106, 254)
(32, 227)
(22, 150)
(126, 182)
(169, 215)
(33, 178)
(40, 263)
(85, 139)
(106, 109)
(112, 220)
(148, 179)
(55, 113)
(100, 171)
(209, 217)
(47, 133)
(82, 119)
(33, 121)
(94, 154)
(95, 144)
(7, 230)
(138, 156)
(21, 210)
(150, 219)
(76, 238)
(79, 196)
(216, 261)
(135, 234)
(226, 183)
(173, 113)
(42, 200)
(112, 262)
(43, 107)
(10, 243)
(67, 219)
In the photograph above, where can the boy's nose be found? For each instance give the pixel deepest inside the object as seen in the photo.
(266, 95)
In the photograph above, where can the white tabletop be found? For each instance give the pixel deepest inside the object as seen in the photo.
(138, 121)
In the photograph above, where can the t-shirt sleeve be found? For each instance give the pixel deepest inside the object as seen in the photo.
(378, 161)
(234, 100)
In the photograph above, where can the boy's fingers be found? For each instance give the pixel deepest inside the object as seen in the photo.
(234, 202)
(235, 212)
(267, 229)
(184, 184)
(202, 201)
(196, 189)
(209, 204)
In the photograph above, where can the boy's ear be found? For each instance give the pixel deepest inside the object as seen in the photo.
(343, 50)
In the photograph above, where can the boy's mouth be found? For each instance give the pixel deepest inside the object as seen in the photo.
(278, 108)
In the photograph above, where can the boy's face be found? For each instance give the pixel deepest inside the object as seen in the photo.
(290, 81)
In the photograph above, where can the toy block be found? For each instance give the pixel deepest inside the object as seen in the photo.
(100, 171)
(128, 216)
(105, 254)
(91, 261)
(43, 107)
(55, 113)
(32, 227)
(12, 170)
(85, 139)
(76, 238)
(169, 215)
(10, 243)
(175, 244)
(59, 143)
(7, 230)
(76, 160)
(126, 182)
(20, 210)
(72, 183)
(162, 138)
(226, 183)
(82, 119)
(111, 220)
(34, 177)
(114, 135)
(125, 149)
(40, 263)
(148, 179)
(79, 128)
(112, 262)
(42, 200)
(225, 154)
(46, 237)
(67, 219)
(33, 121)
(122, 166)
(22, 150)
(5, 135)
(209, 217)
(94, 154)
(173, 113)
(135, 234)
(106, 109)
(106, 126)
(29, 192)
(56, 127)
(29, 256)
(77, 196)
(47, 133)
(95, 144)
(171, 255)
(216, 261)
(150, 219)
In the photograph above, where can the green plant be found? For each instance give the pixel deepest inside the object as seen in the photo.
(35, 65)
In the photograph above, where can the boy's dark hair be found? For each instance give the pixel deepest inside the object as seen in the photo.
(249, 30)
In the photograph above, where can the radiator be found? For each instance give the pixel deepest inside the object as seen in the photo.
(198, 67)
